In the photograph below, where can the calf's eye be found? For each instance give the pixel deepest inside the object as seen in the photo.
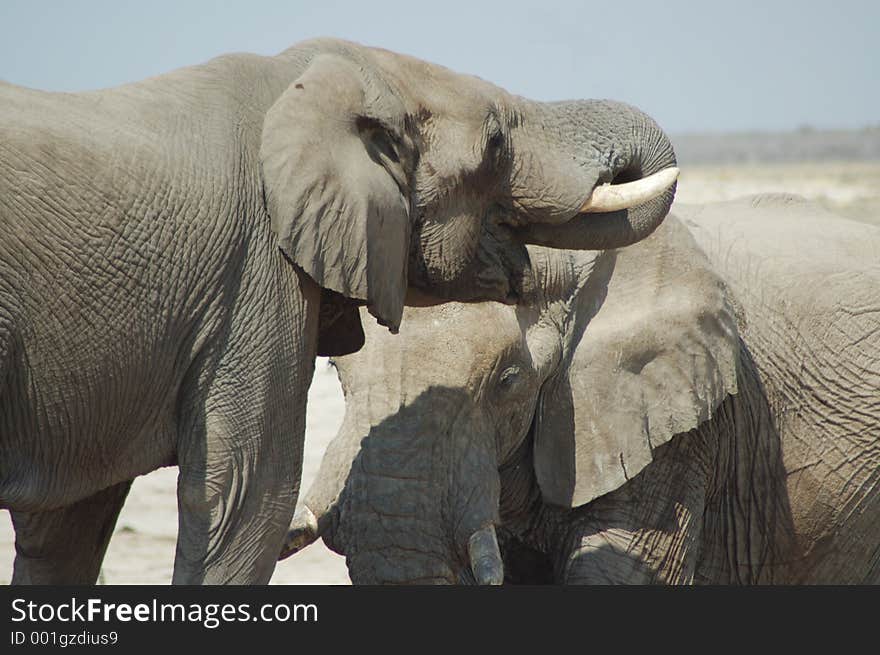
(509, 377)
(496, 140)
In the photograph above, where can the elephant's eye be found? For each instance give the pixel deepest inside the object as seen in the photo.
(509, 377)
(495, 142)
(384, 144)
(379, 138)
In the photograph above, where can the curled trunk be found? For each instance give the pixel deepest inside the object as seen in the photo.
(574, 147)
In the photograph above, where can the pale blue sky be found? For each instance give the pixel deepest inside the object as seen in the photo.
(694, 66)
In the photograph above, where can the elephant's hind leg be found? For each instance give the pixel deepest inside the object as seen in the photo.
(66, 545)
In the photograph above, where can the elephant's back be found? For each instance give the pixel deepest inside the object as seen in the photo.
(781, 239)
(806, 279)
(198, 126)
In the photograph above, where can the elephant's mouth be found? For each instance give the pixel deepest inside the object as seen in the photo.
(499, 271)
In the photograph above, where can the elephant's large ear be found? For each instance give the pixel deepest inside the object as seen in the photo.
(336, 163)
(656, 360)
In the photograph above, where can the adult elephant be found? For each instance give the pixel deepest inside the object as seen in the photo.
(147, 318)
(702, 407)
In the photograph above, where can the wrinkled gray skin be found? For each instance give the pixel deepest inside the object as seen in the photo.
(703, 407)
(147, 318)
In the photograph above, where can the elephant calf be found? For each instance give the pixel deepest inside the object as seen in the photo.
(703, 407)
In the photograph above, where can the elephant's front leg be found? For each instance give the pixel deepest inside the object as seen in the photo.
(238, 484)
(240, 451)
(235, 500)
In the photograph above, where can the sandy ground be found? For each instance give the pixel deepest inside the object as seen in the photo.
(142, 549)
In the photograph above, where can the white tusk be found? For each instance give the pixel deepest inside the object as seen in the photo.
(486, 557)
(303, 531)
(614, 197)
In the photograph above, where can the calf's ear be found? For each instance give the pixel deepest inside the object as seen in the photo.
(656, 360)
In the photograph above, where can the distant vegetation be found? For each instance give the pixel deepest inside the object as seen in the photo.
(804, 144)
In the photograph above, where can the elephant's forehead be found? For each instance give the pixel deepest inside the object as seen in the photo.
(438, 88)
(451, 340)
(463, 322)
